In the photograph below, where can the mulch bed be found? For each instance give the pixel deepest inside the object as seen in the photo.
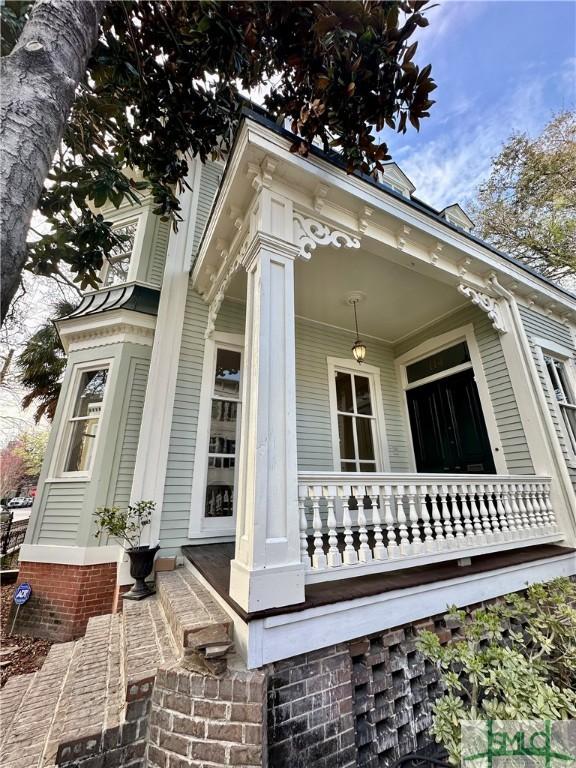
(29, 653)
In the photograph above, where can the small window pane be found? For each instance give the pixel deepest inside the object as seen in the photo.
(220, 492)
(368, 466)
(90, 392)
(441, 361)
(363, 403)
(117, 271)
(345, 429)
(227, 378)
(560, 368)
(569, 415)
(344, 401)
(348, 466)
(365, 443)
(223, 426)
(120, 255)
(81, 445)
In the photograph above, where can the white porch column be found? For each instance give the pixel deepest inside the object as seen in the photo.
(267, 571)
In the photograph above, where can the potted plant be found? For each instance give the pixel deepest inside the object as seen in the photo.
(127, 526)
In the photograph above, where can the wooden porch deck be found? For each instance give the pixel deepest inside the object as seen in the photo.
(213, 563)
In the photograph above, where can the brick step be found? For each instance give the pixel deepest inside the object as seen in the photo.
(199, 625)
(11, 697)
(147, 644)
(93, 697)
(25, 741)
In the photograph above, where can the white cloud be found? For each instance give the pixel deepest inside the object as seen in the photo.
(448, 169)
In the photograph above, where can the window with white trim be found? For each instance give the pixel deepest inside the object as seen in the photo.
(223, 440)
(564, 394)
(84, 420)
(117, 265)
(356, 417)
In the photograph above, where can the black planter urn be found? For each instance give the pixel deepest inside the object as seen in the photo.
(141, 564)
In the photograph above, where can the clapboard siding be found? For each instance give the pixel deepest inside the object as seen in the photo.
(137, 391)
(539, 326)
(502, 396)
(209, 181)
(61, 513)
(314, 344)
(158, 251)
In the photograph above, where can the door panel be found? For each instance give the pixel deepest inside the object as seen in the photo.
(448, 426)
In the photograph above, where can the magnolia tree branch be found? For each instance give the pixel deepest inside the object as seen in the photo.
(39, 80)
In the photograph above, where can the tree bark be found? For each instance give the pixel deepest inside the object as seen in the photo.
(39, 80)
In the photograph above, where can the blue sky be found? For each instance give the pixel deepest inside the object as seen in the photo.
(501, 67)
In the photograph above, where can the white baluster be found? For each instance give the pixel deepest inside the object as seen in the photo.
(502, 516)
(493, 513)
(437, 520)
(466, 511)
(391, 539)
(318, 558)
(523, 512)
(548, 503)
(405, 548)
(304, 556)
(456, 514)
(504, 491)
(542, 505)
(413, 517)
(429, 544)
(364, 551)
(380, 552)
(529, 508)
(446, 519)
(334, 558)
(516, 512)
(476, 517)
(536, 505)
(350, 555)
(484, 515)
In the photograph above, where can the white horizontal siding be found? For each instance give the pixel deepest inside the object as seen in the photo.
(158, 251)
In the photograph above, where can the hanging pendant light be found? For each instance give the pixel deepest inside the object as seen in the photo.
(358, 348)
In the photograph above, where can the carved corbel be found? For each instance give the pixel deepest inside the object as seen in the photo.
(309, 233)
(363, 218)
(436, 252)
(320, 194)
(216, 302)
(486, 304)
(402, 239)
(235, 217)
(463, 266)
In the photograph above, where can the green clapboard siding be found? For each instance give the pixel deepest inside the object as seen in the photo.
(209, 181)
(125, 473)
(502, 396)
(61, 513)
(158, 251)
(541, 326)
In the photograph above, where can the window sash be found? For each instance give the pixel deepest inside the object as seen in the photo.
(69, 434)
(353, 415)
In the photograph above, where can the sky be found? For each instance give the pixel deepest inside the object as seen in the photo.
(501, 67)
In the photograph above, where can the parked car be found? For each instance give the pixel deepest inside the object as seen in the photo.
(20, 501)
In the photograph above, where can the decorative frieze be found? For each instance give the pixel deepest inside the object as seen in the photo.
(486, 304)
(309, 233)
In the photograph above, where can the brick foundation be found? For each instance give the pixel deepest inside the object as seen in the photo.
(64, 597)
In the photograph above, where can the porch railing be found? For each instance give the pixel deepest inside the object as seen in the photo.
(355, 524)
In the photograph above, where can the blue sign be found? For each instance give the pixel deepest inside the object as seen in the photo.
(22, 594)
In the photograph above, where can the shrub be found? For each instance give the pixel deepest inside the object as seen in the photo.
(515, 659)
(125, 524)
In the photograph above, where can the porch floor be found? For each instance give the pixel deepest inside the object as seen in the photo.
(213, 563)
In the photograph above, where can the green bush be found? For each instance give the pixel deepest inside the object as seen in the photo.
(512, 660)
(125, 524)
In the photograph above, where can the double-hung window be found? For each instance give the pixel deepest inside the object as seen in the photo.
(116, 267)
(84, 420)
(356, 416)
(564, 393)
(222, 445)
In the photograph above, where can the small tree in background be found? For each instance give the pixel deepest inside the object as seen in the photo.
(527, 208)
(12, 471)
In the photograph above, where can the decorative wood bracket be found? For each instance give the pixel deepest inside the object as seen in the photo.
(486, 304)
(309, 233)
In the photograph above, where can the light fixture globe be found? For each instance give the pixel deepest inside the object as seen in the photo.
(359, 351)
(358, 348)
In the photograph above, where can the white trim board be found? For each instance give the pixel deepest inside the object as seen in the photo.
(46, 553)
(288, 635)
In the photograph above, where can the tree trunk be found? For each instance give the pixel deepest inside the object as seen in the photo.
(39, 80)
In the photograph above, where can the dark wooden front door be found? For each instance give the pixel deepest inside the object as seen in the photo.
(448, 427)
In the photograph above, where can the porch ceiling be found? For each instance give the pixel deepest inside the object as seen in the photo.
(399, 300)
